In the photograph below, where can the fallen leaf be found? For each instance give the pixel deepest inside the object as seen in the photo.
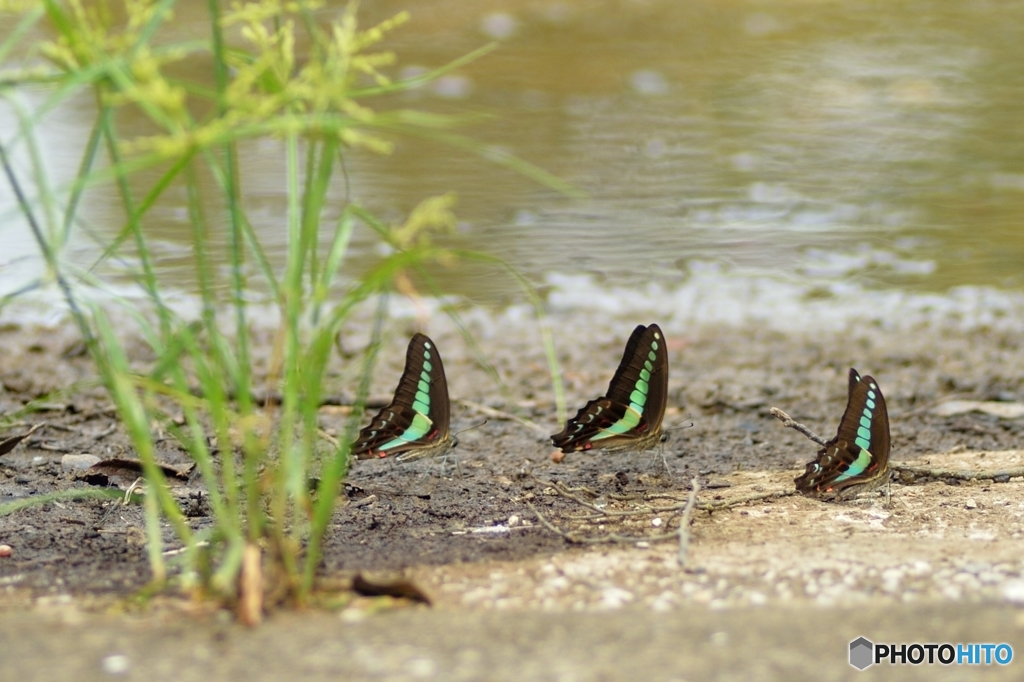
(78, 462)
(10, 443)
(401, 587)
(121, 472)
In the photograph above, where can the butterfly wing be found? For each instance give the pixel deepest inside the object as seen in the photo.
(418, 417)
(859, 453)
(634, 405)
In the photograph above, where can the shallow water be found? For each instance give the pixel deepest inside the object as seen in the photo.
(829, 146)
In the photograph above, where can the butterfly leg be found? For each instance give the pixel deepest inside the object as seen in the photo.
(661, 450)
(423, 475)
(660, 454)
(444, 464)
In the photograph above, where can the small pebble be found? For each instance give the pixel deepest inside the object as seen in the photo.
(78, 462)
(971, 504)
(614, 597)
(351, 615)
(1013, 591)
(116, 664)
(6, 551)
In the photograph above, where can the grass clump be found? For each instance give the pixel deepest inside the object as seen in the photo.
(256, 459)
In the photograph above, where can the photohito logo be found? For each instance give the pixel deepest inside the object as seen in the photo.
(865, 653)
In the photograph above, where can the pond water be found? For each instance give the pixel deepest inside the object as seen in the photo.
(830, 146)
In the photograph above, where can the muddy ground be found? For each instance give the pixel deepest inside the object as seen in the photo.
(939, 561)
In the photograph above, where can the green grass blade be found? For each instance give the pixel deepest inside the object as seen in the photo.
(554, 370)
(334, 473)
(58, 496)
(426, 77)
(30, 19)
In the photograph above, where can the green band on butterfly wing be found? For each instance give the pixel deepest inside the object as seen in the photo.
(624, 425)
(420, 427)
(863, 439)
(857, 467)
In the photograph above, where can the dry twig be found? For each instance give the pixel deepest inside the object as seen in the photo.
(250, 586)
(686, 508)
(909, 474)
(568, 493)
(328, 437)
(684, 522)
(498, 414)
(791, 423)
(600, 539)
(105, 432)
(744, 499)
(703, 506)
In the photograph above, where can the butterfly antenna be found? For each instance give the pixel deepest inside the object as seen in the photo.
(677, 427)
(664, 439)
(477, 426)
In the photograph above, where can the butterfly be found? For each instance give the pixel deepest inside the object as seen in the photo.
(857, 459)
(415, 424)
(629, 416)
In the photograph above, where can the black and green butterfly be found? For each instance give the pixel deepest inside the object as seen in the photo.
(857, 459)
(629, 416)
(415, 424)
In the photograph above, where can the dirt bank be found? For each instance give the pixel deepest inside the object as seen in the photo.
(934, 562)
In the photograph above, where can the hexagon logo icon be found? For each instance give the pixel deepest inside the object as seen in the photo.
(862, 653)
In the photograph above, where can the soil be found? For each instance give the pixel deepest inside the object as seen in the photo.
(935, 562)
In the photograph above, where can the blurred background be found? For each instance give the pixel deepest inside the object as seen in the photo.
(873, 145)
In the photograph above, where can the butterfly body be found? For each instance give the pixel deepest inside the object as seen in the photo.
(857, 459)
(629, 416)
(416, 423)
